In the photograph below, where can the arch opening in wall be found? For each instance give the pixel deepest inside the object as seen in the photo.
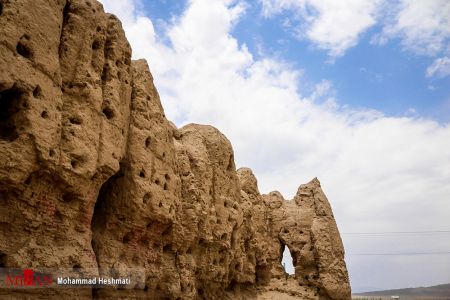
(287, 261)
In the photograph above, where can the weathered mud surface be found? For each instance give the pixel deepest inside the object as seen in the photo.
(93, 176)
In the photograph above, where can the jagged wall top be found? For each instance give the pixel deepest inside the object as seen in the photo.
(93, 176)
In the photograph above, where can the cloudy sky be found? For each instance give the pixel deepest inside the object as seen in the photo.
(355, 92)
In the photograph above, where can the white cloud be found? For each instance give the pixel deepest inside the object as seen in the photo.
(334, 26)
(380, 173)
(422, 25)
(439, 68)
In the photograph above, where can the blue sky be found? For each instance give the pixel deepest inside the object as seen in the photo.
(388, 78)
(356, 93)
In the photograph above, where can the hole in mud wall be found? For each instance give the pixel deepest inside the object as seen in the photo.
(1, 7)
(167, 248)
(74, 163)
(232, 286)
(230, 166)
(147, 198)
(75, 120)
(101, 213)
(23, 48)
(96, 45)
(44, 114)
(70, 197)
(148, 142)
(77, 161)
(127, 238)
(167, 231)
(9, 106)
(287, 261)
(28, 180)
(108, 112)
(263, 274)
(37, 92)
(2, 260)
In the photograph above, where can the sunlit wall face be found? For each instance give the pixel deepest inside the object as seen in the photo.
(356, 93)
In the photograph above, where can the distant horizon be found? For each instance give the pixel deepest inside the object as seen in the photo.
(410, 287)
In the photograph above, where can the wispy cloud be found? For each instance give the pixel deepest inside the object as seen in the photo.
(439, 68)
(422, 26)
(334, 26)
